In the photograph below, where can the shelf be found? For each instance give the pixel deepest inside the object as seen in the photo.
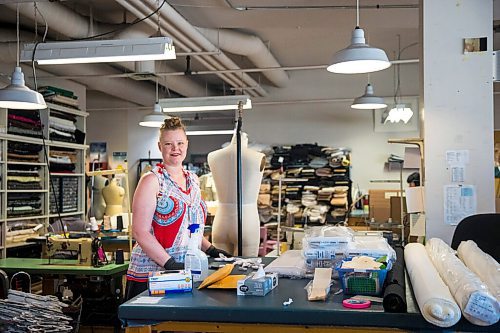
(27, 163)
(47, 143)
(22, 218)
(68, 214)
(27, 191)
(20, 138)
(57, 107)
(63, 174)
(53, 143)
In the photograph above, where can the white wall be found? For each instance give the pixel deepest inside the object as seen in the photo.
(458, 103)
(332, 124)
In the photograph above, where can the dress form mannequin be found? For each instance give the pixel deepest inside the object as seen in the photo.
(222, 163)
(98, 204)
(113, 195)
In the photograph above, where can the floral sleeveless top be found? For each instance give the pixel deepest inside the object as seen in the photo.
(175, 211)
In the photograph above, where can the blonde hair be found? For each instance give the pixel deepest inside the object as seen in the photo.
(171, 124)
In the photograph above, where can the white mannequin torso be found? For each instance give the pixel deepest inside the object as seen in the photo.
(98, 204)
(222, 163)
(113, 196)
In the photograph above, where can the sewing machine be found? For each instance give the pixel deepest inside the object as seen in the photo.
(81, 246)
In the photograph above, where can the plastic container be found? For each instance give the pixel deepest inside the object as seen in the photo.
(196, 260)
(362, 281)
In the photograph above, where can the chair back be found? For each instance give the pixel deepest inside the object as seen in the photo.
(484, 229)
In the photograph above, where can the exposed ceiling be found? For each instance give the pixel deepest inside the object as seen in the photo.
(299, 36)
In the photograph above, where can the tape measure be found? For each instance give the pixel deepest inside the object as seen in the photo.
(352, 303)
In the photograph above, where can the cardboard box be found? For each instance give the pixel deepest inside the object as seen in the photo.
(380, 204)
(257, 287)
(163, 282)
(396, 208)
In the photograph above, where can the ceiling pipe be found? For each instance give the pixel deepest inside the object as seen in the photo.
(178, 42)
(249, 46)
(184, 33)
(246, 70)
(61, 19)
(183, 85)
(65, 21)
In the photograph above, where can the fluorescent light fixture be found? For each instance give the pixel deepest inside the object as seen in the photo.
(17, 96)
(358, 57)
(91, 51)
(214, 132)
(154, 119)
(400, 112)
(369, 101)
(198, 104)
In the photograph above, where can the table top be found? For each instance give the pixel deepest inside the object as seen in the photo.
(58, 266)
(210, 305)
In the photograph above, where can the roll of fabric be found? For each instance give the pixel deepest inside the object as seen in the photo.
(433, 297)
(481, 263)
(395, 289)
(473, 297)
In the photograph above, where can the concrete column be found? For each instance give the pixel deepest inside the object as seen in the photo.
(457, 103)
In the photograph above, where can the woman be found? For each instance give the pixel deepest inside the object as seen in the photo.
(167, 200)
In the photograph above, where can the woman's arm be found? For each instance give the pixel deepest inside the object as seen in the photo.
(143, 207)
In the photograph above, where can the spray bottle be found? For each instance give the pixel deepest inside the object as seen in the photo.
(196, 261)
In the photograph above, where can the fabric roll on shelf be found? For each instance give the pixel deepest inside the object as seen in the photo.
(481, 263)
(433, 297)
(476, 302)
(395, 290)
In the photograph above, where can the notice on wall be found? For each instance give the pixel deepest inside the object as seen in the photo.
(457, 157)
(460, 201)
(456, 161)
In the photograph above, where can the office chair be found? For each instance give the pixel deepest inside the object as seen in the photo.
(484, 229)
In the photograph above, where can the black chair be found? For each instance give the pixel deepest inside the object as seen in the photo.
(484, 229)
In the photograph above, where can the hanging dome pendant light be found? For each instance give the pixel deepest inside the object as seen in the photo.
(358, 57)
(368, 101)
(17, 96)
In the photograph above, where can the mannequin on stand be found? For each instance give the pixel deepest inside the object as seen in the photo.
(222, 163)
(113, 196)
(98, 204)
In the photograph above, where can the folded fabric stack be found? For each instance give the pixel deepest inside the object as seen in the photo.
(23, 177)
(23, 152)
(62, 160)
(311, 174)
(25, 123)
(62, 127)
(24, 204)
(59, 96)
(65, 192)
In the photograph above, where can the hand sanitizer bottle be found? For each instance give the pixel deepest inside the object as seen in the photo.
(196, 261)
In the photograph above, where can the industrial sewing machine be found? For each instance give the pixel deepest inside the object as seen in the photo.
(86, 249)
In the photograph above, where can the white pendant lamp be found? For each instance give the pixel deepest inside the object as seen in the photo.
(368, 101)
(157, 117)
(358, 57)
(16, 95)
(154, 119)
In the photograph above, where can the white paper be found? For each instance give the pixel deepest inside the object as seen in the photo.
(415, 199)
(457, 174)
(480, 307)
(412, 158)
(146, 300)
(417, 225)
(460, 201)
(457, 157)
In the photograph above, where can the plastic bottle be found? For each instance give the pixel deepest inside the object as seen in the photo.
(196, 261)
